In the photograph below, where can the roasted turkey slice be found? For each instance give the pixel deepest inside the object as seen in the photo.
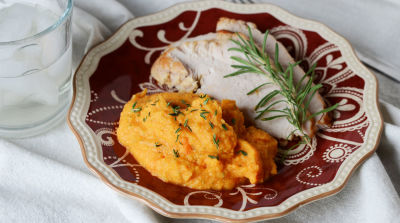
(240, 26)
(200, 65)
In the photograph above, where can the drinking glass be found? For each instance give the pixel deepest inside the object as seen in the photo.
(35, 65)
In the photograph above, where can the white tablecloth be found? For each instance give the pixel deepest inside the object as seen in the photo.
(44, 178)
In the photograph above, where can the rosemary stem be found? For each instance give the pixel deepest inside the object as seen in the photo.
(256, 61)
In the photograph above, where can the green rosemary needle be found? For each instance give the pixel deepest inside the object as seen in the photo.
(224, 127)
(203, 113)
(211, 124)
(213, 157)
(244, 153)
(205, 101)
(216, 141)
(176, 153)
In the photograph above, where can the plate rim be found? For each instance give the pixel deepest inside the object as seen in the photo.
(216, 212)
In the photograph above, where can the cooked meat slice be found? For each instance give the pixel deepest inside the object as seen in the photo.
(183, 78)
(202, 64)
(233, 25)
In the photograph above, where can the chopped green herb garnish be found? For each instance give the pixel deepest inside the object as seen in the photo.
(176, 111)
(136, 110)
(145, 118)
(154, 103)
(233, 121)
(205, 101)
(186, 125)
(176, 108)
(216, 141)
(176, 153)
(202, 114)
(134, 104)
(202, 96)
(177, 137)
(215, 112)
(224, 127)
(243, 152)
(185, 103)
(211, 125)
(177, 130)
(193, 110)
(213, 157)
(156, 144)
(168, 104)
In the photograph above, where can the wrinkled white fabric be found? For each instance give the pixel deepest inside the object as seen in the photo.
(44, 178)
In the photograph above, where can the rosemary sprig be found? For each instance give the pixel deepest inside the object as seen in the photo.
(297, 95)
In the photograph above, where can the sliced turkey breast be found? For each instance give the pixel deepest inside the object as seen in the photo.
(202, 64)
(233, 25)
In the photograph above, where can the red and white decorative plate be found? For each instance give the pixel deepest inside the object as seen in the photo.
(119, 67)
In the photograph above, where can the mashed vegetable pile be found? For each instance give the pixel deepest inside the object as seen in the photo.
(195, 141)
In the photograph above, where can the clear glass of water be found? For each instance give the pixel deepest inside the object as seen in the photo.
(35, 65)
